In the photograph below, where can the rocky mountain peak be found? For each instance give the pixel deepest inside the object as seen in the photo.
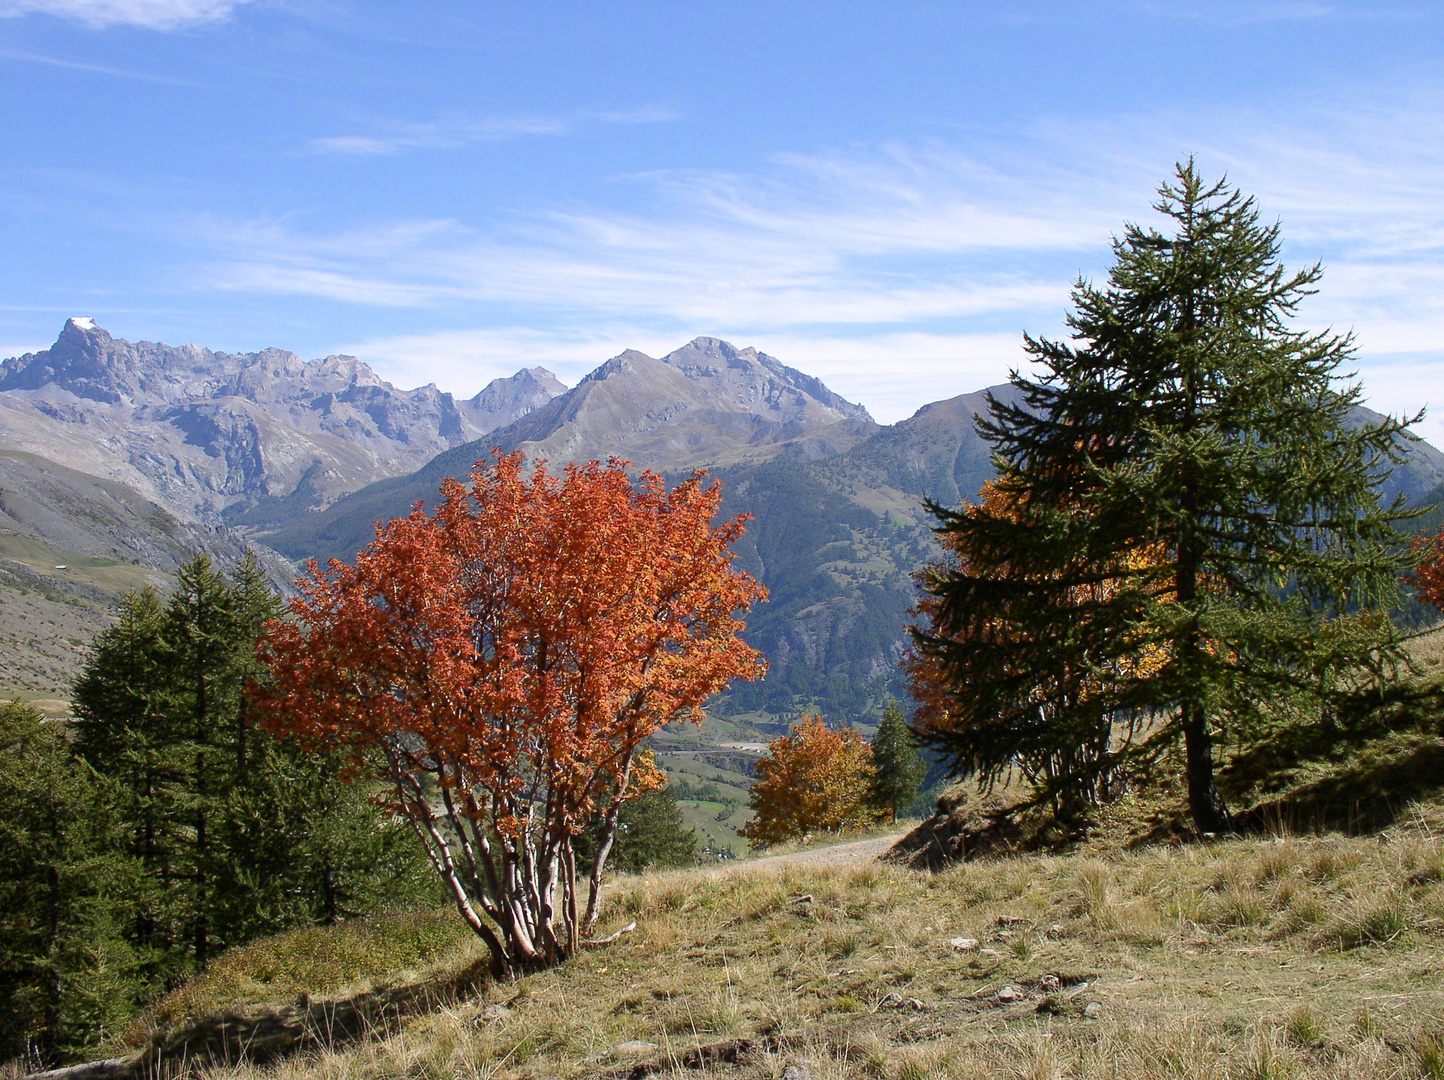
(703, 405)
(709, 354)
(83, 361)
(627, 362)
(83, 327)
(760, 382)
(504, 401)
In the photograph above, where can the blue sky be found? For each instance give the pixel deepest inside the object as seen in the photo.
(883, 194)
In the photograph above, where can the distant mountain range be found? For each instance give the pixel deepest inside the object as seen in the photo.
(838, 526)
(205, 433)
(304, 457)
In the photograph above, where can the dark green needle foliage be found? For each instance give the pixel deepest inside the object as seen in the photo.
(898, 763)
(235, 833)
(1198, 546)
(162, 826)
(650, 833)
(67, 972)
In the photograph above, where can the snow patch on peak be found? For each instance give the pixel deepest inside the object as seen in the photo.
(82, 322)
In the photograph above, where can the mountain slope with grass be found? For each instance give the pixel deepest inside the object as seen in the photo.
(70, 545)
(1309, 945)
(1300, 957)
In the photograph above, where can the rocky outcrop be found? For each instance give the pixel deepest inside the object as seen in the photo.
(504, 401)
(967, 825)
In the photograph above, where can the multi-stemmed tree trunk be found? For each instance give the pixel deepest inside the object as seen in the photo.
(1195, 453)
(507, 656)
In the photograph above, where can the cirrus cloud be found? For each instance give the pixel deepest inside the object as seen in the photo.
(152, 14)
(899, 273)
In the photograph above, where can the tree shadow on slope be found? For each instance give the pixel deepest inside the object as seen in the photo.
(1359, 772)
(263, 1034)
(1354, 771)
(1366, 795)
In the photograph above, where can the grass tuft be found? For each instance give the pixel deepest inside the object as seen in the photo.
(1374, 920)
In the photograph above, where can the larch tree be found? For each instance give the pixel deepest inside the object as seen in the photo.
(507, 655)
(813, 779)
(235, 833)
(1190, 418)
(1043, 708)
(67, 973)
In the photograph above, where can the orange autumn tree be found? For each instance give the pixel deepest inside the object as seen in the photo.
(814, 779)
(1427, 577)
(505, 657)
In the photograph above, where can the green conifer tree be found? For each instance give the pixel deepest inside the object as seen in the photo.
(126, 730)
(67, 973)
(650, 833)
(238, 833)
(898, 763)
(1195, 532)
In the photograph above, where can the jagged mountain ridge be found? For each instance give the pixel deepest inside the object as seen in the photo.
(705, 405)
(203, 432)
(120, 459)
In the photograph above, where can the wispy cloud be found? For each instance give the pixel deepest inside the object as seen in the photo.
(1244, 12)
(152, 14)
(94, 69)
(895, 271)
(825, 240)
(453, 132)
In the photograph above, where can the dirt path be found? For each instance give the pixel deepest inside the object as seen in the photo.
(849, 854)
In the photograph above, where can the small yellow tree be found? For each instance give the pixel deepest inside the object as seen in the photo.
(815, 779)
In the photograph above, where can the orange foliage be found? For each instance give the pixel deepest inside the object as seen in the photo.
(505, 657)
(815, 779)
(1428, 576)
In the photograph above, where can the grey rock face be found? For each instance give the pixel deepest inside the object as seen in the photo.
(202, 432)
(505, 401)
(760, 383)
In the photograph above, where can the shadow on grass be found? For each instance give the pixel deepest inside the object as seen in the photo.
(1354, 771)
(1365, 796)
(269, 1033)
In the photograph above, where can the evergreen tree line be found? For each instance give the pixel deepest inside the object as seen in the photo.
(162, 826)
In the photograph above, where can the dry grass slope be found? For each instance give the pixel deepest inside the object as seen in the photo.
(1266, 959)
